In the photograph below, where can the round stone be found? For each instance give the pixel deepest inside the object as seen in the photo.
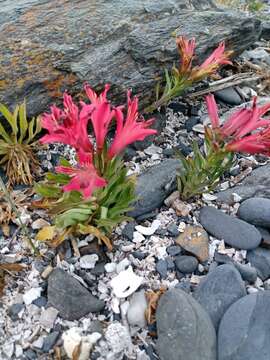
(186, 264)
(256, 211)
(245, 329)
(184, 329)
(235, 232)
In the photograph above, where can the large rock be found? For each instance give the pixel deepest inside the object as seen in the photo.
(57, 45)
(256, 184)
(184, 329)
(220, 289)
(255, 211)
(154, 185)
(260, 259)
(235, 232)
(244, 330)
(69, 297)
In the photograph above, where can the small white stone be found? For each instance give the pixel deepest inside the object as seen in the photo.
(24, 217)
(38, 344)
(82, 243)
(31, 295)
(138, 237)
(88, 261)
(48, 317)
(8, 349)
(110, 267)
(236, 198)
(39, 223)
(125, 283)
(181, 226)
(199, 128)
(136, 310)
(148, 231)
(117, 338)
(208, 197)
(73, 338)
(18, 350)
(122, 265)
(115, 305)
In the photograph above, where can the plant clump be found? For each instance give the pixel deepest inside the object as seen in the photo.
(93, 196)
(17, 146)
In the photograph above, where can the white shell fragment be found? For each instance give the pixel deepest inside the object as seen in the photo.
(73, 338)
(125, 283)
(31, 295)
(88, 261)
(148, 230)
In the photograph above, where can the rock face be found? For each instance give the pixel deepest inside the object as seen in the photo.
(256, 184)
(154, 186)
(69, 297)
(233, 231)
(221, 288)
(184, 328)
(58, 45)
(256, 211)
(245, 329)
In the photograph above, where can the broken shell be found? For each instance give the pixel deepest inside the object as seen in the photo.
(125, 283)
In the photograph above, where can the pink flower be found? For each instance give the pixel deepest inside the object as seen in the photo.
(258, 143)
(102, 114)
(212, 110)
(186, 50)
(93, 97)
(129, 130)
(240, 123)
(212, 63)
(84, 178)
(68, 126)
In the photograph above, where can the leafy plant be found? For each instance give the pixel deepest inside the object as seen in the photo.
(93, 196)
(16, 147)
(244, 131)
(182, 77)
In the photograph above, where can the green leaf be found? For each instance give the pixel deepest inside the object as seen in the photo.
(46, 190)
(61, 179)
(11, 118)
(5, 135)
(22, 121)
(72, 217)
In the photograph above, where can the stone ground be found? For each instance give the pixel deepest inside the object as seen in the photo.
(212, 256)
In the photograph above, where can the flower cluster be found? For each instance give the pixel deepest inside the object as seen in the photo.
(245, 130)
(185, 75)
(69, 126)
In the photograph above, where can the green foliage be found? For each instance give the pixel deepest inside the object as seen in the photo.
(16, 145)
(97, 215)
(203, 170)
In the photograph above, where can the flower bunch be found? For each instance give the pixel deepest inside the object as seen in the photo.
(244, 131)
(93, 195)
(185, 74)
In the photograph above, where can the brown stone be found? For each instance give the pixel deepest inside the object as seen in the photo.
(194, 240)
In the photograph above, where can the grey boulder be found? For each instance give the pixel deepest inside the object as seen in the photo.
(221, 288)
(185, 331)
(256, 211)
(154, 185)
(235, 232)
(260, 259)
(69, 297)
(56, 45)
(244, 330)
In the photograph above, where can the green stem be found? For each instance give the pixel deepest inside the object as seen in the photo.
(14, 208)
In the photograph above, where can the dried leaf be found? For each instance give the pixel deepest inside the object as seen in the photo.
(47, 233)
(7, 268)
(5, 229)
(153, 299)
(88, 229)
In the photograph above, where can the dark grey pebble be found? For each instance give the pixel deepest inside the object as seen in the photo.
(173, 250)
(260, 259)
(245, 329)
(235, 232)
(162, 268)
(186, 264)
(255, 211)
(218, 290)
(50, 341)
